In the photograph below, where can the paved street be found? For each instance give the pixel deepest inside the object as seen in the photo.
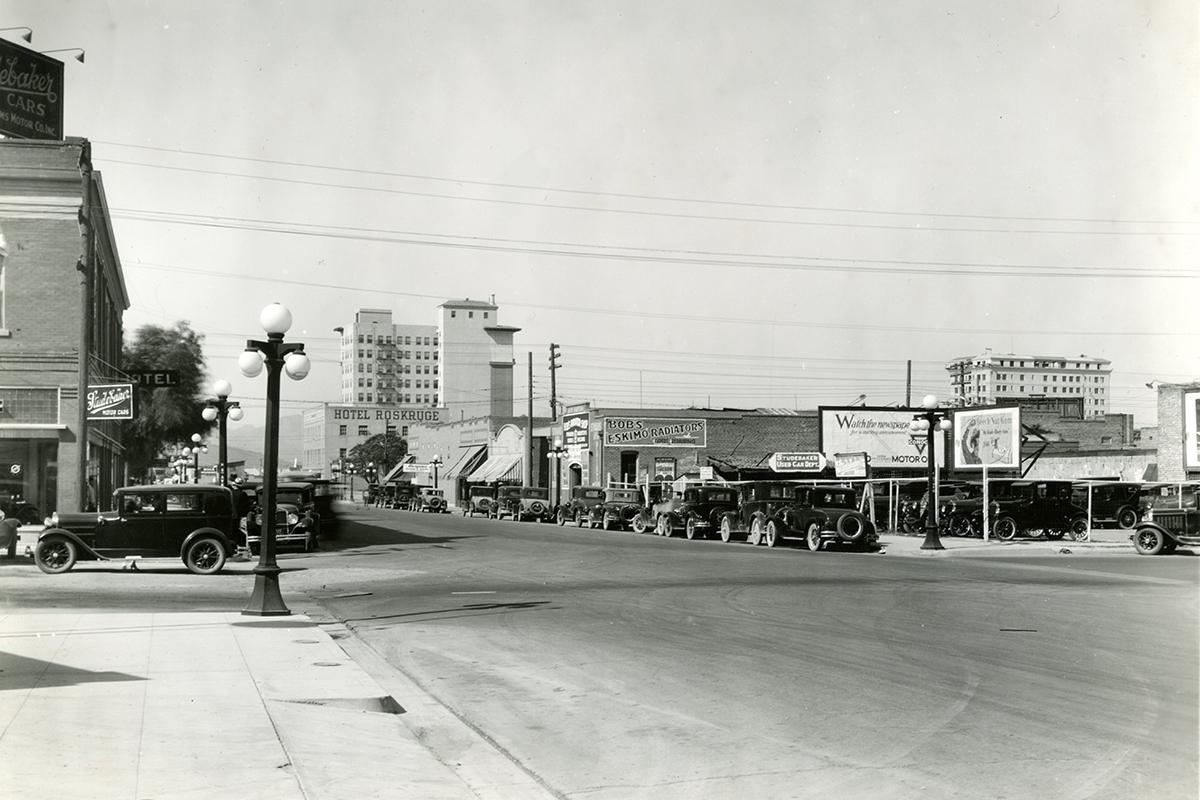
(615, 665)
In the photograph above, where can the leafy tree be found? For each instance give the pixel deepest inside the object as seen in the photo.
(165, 416)
(386, 450)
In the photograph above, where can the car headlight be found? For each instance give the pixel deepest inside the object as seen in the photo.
(292, 518)
(52, 520)
(1149, 515)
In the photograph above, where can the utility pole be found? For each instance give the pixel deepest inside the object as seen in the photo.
(529, 428)
(553, 385)
(908, 387)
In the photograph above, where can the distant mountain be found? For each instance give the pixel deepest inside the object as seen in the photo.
(245, 443)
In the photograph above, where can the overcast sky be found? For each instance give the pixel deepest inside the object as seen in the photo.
(743, 204)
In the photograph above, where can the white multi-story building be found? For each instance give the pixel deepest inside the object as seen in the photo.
(388, 363)
(1078, 386)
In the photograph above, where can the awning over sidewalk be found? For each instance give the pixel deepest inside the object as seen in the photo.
(396, 470)
(468, 462)
(497, 468)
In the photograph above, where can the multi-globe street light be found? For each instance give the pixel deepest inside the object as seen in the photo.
(218, 408)
(556, 454)
(196, 448)
(277, 356)
(932, 420)
(434, 463)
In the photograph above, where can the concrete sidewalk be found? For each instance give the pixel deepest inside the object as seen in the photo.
(220, 705)
(1101, 541)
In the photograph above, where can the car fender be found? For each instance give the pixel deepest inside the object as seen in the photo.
(84, 549)
(202, 532)
(1141, 526)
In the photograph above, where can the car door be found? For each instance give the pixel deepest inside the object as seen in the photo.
(184, 513)
(136, 530)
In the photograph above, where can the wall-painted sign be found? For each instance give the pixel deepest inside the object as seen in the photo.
(881, 433)
(664, 468)
(796, 462)
(654, 432)
(987, 437)
(155, 379)
(110, 401)
(429, 416)
(31, 93)
(1191, 432)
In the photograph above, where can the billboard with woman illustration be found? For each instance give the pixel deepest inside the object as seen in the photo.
(987, 438)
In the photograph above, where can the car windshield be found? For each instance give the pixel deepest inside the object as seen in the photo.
(834, 498)
(294, 497)
(622, 496)
(482, 491)
(775, 491)
(536, 493)
(432, 492)
(592, 494)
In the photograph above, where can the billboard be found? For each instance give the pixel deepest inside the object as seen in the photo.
(1191, 434)
(110, 401)
(31, 93)
(881, 433)
(987, 437)
(654, 432)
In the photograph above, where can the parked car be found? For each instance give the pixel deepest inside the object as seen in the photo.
(401, 496)
(1162, 530)
(617, 510)
(1169, 495)
(479, 500)
(508, 502)
(194, 523)
(534, 504)
(660, 499)
(579, 507)
(1112, 503)
(429, 499)
(758, 501)
(1024, 508)
(821, 516)
(297, 524)
(698, 512)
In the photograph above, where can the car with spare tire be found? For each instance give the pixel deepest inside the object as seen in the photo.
(194, 523)
(698, 513)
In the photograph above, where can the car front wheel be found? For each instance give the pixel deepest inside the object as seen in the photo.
(812, 536)
(756, 531)
(1080, 529)
(55, 555)
(1126, 518)
(689, 528)
(639, 524)
(1149, 542)
(205, 556)
(1005, 529)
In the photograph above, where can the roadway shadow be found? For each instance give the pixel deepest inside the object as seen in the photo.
(460, 612)
(22, 672)
(356, 535)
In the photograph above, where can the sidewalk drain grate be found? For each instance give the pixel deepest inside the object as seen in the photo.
(306, 641)
(327, 663)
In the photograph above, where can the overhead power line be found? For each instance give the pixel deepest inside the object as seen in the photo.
(631, 195)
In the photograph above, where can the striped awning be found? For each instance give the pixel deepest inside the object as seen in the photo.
(468, 462)
(497, 468)
(396, 470)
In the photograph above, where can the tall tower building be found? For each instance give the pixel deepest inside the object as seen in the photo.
(477, 360)
(388, 363)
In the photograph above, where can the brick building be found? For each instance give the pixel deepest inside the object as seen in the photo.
(62, 293)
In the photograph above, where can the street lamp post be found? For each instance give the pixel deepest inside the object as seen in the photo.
(435, 462)
(218, 407)
(555, 455)
(196, 457)
(932, 420)
(277, 356)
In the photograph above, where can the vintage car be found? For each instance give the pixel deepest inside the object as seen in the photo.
(297, 524)
(534, 504)
(821, 516)
(698, 512)
(1112, 503)
(617, 510)
(426, 498)
(758, 501)
(194, 523)
(1169, 495)
(479, 500)
(399, 495)
(508, 502)
(579, 507)
(1163, 529)
(1031, 508)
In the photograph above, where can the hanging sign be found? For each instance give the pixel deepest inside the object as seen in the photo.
(31, 93)
(110, 401)
(796, 462)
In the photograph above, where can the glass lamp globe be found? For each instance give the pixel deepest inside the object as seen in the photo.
(235, 413)
(296, 365)
(275, 319)
(196, 438)
(209, 414)
(929, 401)
(250, 362)
(222, 388)
(945, 424)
